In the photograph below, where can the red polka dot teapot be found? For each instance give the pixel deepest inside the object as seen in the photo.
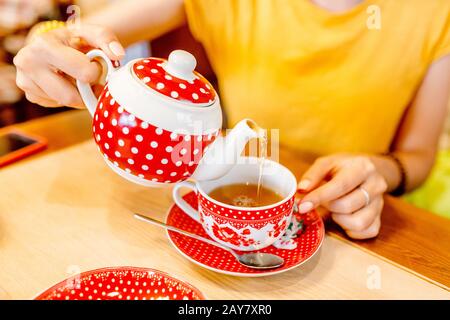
(158, 122)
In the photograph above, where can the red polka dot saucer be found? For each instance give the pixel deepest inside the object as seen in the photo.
(122, 283)
(218, 260)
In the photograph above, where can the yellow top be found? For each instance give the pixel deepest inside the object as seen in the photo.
(331, 82)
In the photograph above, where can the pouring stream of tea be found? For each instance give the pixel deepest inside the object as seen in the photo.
(262, 150)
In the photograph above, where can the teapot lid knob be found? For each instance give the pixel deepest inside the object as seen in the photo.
(181, 64)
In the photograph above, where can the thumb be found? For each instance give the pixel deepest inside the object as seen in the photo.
(100, 37)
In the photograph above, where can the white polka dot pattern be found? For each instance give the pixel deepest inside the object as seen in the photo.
(308, 242)
(142, 149)
(152, 74)
(122, 283)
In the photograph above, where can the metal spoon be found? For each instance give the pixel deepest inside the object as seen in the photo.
(255, 260)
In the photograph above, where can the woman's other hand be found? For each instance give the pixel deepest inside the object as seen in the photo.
(48, 65)
(352, 192)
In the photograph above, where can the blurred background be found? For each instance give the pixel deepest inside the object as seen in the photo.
(17, 17)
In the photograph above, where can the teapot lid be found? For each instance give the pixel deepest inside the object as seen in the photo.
(176, 78)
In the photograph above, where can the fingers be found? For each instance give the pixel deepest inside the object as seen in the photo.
(345, 181)
(100, 37)
(48, 58)
(59, 89)
(342, 195)
(362, 219)
(33, 93)
(41, 101)
(371, 232)
(28, 85)
(316, 173)
(348, 173)
(54, 90)
(50, 50)
(355, 200)
(46, 83)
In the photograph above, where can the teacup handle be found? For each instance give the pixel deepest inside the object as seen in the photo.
(187, 208)
(88, 96)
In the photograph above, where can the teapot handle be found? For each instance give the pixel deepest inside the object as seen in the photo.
(88, 96)
(181, 203)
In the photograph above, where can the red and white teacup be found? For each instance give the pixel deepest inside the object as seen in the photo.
(243, 228)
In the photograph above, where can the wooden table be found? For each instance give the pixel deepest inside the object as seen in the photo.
(64, 211)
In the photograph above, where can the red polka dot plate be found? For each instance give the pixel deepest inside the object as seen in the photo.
(122, 283)
(218, 260)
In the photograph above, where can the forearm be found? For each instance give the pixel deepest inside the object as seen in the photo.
(137, 20)
(417, 139)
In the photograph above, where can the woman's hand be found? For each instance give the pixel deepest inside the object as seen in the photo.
(350, 187)
(48, 65)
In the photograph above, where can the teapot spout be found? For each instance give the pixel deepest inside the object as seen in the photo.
(224, 153)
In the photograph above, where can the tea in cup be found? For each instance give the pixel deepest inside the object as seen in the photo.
(245, 195)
